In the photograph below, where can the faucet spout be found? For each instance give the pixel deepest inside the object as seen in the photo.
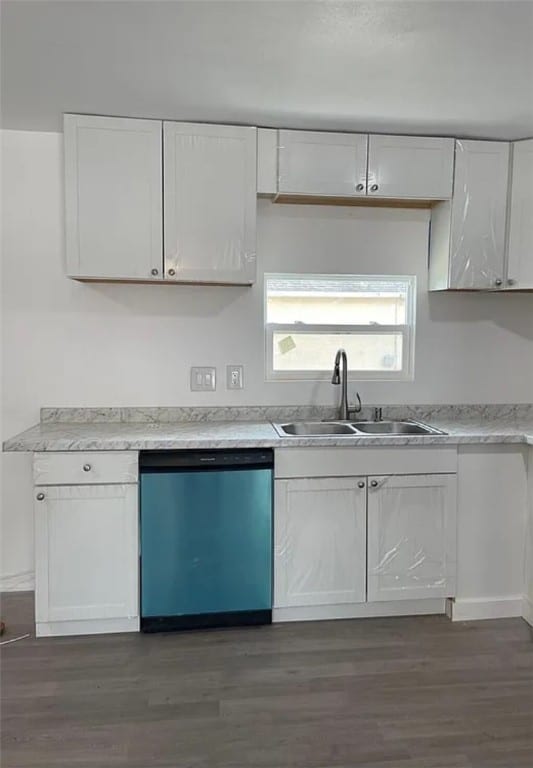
(340, 376)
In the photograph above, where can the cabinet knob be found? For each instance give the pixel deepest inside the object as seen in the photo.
(155, 271)
(86, 467)
(361, 484)
(510, 281)
(374, 188)
(374, 483)
(40, 497)
(171, 272)
(360, 187)
(498, 282)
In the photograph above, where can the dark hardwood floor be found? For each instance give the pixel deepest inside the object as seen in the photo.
(381, 693)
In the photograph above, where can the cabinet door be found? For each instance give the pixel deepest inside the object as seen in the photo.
(520, 264)
(320, 541)
(210, 203)
(113, 197)
(322, 164)
(86, 552)
(411, 537)
(479, 209)
(410, 167)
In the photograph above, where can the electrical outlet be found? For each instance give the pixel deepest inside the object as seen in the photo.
(203, 379)
(234, 377)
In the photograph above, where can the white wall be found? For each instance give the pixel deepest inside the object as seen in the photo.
(68, 343)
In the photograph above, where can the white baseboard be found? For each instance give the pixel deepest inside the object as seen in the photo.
(359, 610)
(527, 610)
(474, 609)
(86, 627)
(18, 582)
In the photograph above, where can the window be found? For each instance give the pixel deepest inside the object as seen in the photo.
(308, 317)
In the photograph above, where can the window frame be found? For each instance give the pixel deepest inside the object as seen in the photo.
(406, 330)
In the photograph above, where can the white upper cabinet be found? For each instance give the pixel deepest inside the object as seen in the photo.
(113, 194)
(467, 248)
(411, 537)
(520, 253)
(322, 164)
(410, 167)
(209, 203)
(320, 541)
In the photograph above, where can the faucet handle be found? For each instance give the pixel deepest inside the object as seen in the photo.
(359, 406)
(378, 414)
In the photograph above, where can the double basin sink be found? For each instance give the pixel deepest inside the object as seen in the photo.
(342, 428)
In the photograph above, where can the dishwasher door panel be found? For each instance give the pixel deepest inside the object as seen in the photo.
(206, 542)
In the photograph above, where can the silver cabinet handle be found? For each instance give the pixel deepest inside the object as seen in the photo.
(498, 282)
(361, 484)
(86, 467)
(374, 483)
(374, 188)
(155, 271)
(360, 187)
(40, 497)
(171, 272)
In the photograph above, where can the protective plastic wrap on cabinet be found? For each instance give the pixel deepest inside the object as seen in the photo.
(478, 215)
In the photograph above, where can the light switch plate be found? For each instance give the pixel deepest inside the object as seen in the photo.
(234, 377)
(203, 379)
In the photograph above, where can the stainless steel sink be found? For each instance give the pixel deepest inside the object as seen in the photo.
(314, 429)
(395, 428)
(356, 428)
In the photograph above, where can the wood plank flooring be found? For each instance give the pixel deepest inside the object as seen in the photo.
(373, 693)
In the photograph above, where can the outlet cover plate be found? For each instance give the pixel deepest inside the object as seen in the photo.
(234, 377)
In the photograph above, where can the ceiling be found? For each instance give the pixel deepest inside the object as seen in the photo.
(452, 68)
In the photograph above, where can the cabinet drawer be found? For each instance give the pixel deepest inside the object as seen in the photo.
(76, 468)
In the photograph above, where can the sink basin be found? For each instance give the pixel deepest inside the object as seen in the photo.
(314, 428)
(356, 428)
(395, 428)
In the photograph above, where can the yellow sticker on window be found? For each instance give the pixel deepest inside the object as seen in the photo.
(286, 344)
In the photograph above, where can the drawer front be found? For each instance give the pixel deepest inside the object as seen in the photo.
(80, 468)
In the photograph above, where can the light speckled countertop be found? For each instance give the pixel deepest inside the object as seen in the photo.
(482, 425)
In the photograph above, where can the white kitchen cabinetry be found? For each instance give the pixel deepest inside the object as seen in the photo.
(209, 203)
(413, 167)
(320, 541)
(113, 197)
(351, 165)
(86, 553)
(411, 537)
(468, 233)
(322, 164)
(520, 249)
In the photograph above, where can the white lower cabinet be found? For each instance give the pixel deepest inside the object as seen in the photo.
(346, 541)
(320, 541)
(86, 559)
(411, 537)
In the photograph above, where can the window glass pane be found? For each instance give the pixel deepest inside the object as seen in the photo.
(342, 300)
(316, 351)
